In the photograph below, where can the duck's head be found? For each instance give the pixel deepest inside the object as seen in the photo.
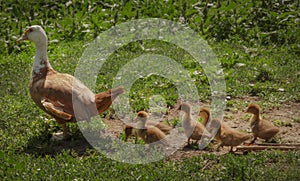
(253, 108)
(142, 115)
(141, 119)
(34, 33)
(185, 107)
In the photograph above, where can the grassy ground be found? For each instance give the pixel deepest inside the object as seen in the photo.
(255, 166)
(257, 45)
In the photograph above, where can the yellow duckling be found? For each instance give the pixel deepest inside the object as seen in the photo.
(226, 135)
(193, 129)
(149, 134)
(261, 128)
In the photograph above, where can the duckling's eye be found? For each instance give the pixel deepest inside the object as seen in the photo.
(30, 29)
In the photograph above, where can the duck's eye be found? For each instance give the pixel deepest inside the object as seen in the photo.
(30, 29)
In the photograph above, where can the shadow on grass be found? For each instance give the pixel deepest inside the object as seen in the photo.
(42, 145)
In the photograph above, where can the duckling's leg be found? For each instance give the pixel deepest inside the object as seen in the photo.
(189, 141)
(218, 147)
(271, 140)
(126, 138)
(254, 139)
(231, 150)
(136, 139)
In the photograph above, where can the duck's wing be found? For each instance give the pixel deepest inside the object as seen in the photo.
(62, 93)
(57, 111)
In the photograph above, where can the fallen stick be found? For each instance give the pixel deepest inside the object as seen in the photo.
(258, 148)
(278, 144)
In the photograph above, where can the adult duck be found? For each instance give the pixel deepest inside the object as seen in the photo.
(62, 96)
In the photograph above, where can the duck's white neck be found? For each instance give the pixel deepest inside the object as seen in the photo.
(41, 58)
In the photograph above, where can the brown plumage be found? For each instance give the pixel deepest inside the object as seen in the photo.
(61, 95)
(130, 130)
(149, 134)
(261, 128)
(225, 135)
(193, 129)
(205, 115)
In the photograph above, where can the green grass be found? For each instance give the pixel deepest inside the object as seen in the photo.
(257, 46)
(68, 166)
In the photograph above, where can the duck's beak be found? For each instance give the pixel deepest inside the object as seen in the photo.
(22, 38)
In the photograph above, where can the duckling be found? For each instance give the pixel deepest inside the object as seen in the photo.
(193, 129)
(261, 128)
(130, 130)
(149, 134)
(225, 135)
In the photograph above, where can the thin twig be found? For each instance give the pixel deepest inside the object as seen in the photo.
(259, 148)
